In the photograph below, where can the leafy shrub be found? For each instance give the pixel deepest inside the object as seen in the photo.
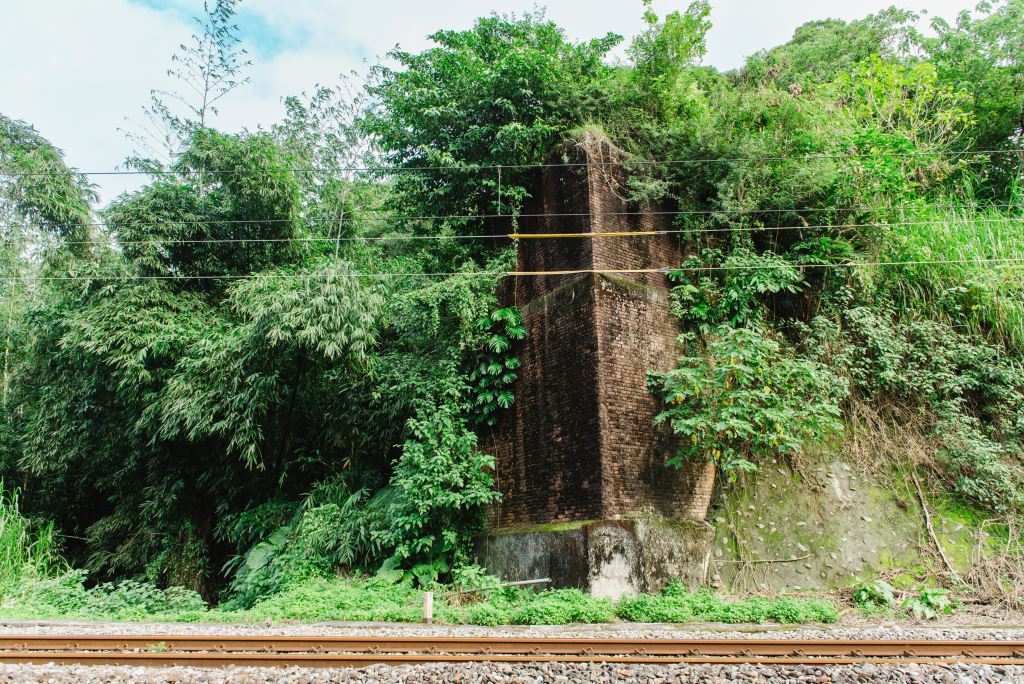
(319, 599)
(972, 393)
(473, 577)
(876, 593)
(734, 290)
(440, 483)
(331, 529)
(495, 369)
(929, 603)
(551, 607)
(746, 397)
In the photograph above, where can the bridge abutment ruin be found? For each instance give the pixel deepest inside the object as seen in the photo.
(587, 495)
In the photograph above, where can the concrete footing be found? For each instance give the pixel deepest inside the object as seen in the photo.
(608, 558)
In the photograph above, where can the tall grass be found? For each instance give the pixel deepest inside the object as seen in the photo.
(972, 292)
(25, 553)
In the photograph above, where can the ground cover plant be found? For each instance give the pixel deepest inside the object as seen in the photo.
(319, 600)
(238, 381)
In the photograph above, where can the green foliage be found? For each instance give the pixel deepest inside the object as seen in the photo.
(27, 551)
(440, 484)
(875, 593)
(38, 189)
(909, 101)
(989, 301)
(984, 52)
(495, 371)
(214, 394)
(906, 112)
(929, 603)
(319, 599)
(971, 391)
(504, 92)
(208, 68)
(224, 187)
(746, 399)
(335, 527)
(676, 604)
(551, 607)
(665, 50)
(65, 596)
(734, 290)
(821, 50)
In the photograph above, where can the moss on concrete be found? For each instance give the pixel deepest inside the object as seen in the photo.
(537, 529)
(829, 524)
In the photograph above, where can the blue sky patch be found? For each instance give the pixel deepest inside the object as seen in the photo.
(259, 37)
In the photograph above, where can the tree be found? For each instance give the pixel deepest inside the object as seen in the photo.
(230, 208)
(41, 199)
(208, 69)
(663, 53)
(501, 93)
(322, 134)
(983, 53)
(822, 50)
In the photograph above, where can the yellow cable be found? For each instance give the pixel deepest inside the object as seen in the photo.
(583, 235)
(589, 270)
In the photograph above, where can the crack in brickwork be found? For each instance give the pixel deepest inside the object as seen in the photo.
(579, 442)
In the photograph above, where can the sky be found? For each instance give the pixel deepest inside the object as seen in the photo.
(80, 71)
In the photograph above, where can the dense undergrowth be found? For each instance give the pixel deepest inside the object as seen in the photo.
(318, 600)
(241, 379)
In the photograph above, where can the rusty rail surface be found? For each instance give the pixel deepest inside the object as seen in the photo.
(215, 651)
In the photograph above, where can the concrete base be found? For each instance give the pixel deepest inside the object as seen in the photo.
(608, 558)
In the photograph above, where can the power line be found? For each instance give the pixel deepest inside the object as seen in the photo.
(518, 236)
(476, 168)
(664, 270)
(749, 229)
(445, 217)
(257, 276)
(756, 267)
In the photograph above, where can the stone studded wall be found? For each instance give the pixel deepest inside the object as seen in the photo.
(579, 443)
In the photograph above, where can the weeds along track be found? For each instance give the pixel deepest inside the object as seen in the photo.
(207, 651)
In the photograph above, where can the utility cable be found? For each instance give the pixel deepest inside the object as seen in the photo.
(664, 269)
(373, 217)
(476, 168)
(520, 236)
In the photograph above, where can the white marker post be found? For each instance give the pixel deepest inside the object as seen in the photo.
(428, 607)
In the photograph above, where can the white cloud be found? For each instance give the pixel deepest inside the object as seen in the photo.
(75, 69)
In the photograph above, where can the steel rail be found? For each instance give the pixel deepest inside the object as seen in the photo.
(345, 651)
(337, 660)
(515, 645)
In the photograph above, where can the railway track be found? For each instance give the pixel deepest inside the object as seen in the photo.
(205, 651)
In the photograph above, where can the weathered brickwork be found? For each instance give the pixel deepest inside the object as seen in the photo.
(579, 442)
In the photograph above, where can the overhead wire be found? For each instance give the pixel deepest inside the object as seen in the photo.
(531, 236)
(447, 217)
(475, 168)
(616, 271)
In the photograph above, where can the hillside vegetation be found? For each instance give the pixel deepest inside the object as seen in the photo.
(267, 366)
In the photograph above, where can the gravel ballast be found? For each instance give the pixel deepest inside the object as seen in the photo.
(622, 630)
(545, 672)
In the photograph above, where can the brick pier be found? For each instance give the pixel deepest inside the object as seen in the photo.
(579, 444)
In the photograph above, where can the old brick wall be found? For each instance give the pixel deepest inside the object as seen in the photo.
(579, 442)
(548, 450)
